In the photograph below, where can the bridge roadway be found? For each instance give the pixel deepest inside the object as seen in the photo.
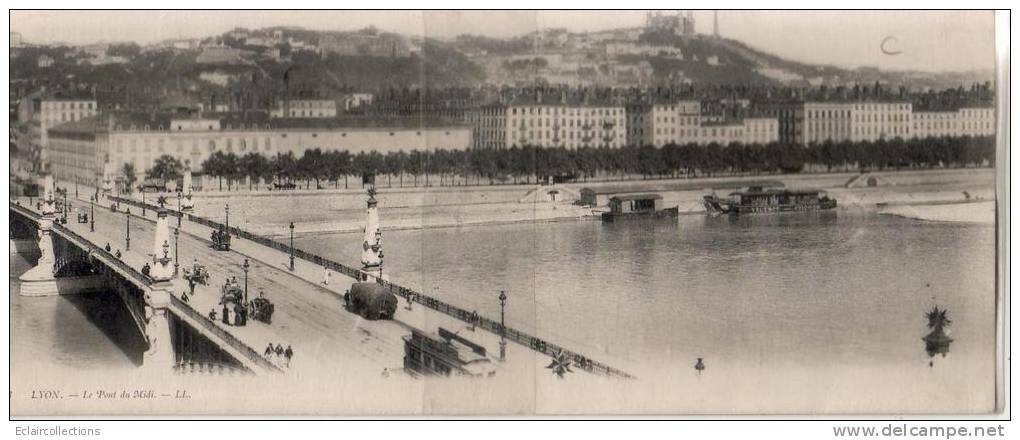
(308, 315)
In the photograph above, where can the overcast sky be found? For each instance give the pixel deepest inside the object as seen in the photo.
(930, 41)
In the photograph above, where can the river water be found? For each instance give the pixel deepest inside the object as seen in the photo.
(837, 296)
(69, 333)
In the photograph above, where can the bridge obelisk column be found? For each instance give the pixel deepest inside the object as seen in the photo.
(157, 321)
(107, 179)
(187, 204)
(372, 255)
(162, 263)
(41, 280)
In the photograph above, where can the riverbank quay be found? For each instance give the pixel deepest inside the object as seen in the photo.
(270, 213)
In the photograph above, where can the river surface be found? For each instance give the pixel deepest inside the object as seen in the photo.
(798, 312)
(840, 295)
(69, 333)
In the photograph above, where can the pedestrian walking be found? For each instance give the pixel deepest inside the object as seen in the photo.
(226, 315)
(287, 354)
(279, 350)
(184, 297)
(118, 253)
(325, 276)
(212, 314)
(269, 350)
(191, 284)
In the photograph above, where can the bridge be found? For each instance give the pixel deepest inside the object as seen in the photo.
(306, 310)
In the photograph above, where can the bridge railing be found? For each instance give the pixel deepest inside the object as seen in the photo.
(89, 247)
(522, 338)
(222, 334)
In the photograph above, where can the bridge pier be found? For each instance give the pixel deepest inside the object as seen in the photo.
(160, 354)
(41, 280)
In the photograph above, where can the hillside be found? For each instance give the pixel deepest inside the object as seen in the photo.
(248, 71)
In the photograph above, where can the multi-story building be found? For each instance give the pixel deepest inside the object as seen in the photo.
(682, 122)
(872, 121)
(824, 121)
(364, 44)
(813, 122)
(81, 148)
(738, 131)
(305, 108)
(935, 123)
(43, 110)
(550, 124)
(968, 121)
(977, 121)
(674, 122)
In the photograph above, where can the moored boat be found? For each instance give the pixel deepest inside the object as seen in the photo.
(757, 200)
(638, 206)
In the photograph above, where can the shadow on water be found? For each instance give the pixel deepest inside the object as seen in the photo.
(107, 313)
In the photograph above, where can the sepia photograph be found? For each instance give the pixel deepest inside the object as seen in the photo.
(507, 213)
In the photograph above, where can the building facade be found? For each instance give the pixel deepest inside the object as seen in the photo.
(814, 122)
(81, 148)
(305, 108)
(872, 121)
(682, 122)
(566, 125)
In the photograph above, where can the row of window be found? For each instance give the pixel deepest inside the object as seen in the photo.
(69, 105)
(178, 145)
(556, 111)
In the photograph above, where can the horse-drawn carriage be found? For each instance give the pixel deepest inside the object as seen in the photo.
(238, 312)
(197, 274)
(221, 240)
(261, 309)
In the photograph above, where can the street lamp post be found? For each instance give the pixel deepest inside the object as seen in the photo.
(246, 266)
(76, 187)
(177, 237)
(502, 325)
(226, 209)
(291, 246)
(143, 202)
(92, 216)
(180, 213)
(65, 206)
(127, 239)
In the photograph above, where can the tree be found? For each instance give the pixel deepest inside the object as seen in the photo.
(129, 176)
(254, 166)
(165, 168)
(216, 165)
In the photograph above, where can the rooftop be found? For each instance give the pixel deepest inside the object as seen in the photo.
(627, 197)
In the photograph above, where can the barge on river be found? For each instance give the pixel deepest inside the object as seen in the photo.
(757, 200)
(637, 206)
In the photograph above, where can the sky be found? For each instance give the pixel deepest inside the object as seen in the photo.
(925, 40)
